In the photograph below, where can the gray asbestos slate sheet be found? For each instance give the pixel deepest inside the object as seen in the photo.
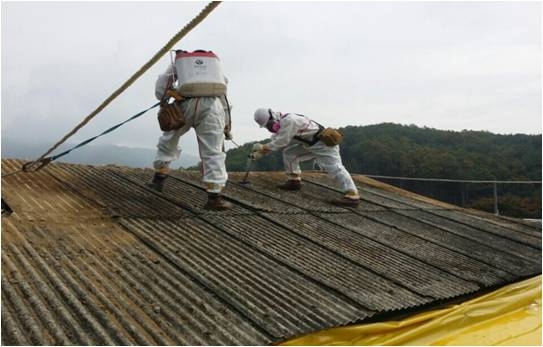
(91, 256)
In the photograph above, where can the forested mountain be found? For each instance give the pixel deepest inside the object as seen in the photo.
(409, 151)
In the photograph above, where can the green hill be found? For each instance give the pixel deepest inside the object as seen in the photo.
(409, 151)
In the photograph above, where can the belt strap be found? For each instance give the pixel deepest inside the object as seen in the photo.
(315, 138)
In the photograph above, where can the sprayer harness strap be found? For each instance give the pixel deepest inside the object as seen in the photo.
(315, 138)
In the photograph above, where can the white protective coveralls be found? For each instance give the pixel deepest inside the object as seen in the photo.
(296, 151)
(208, 116)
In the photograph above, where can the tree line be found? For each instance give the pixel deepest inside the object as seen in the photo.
(390, 149)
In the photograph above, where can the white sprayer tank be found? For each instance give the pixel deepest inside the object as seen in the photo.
(199, 74)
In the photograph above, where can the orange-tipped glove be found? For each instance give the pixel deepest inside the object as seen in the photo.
(172, 93)
(259, 151)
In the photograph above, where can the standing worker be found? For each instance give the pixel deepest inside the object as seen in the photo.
(200, 103)
(304, 139)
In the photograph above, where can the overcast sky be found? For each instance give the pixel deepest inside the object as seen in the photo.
(445, 65)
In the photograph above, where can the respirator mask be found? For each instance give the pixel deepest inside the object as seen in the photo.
(273, 124)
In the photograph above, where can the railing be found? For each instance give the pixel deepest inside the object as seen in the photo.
(493, 182)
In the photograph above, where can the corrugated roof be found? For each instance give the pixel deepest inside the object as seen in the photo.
(91, 256)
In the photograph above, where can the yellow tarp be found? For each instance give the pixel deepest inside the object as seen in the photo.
(508, 316)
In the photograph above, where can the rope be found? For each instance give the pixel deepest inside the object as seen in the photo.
(55, 157)
(47, 160)
(12, 173)
(180, 34)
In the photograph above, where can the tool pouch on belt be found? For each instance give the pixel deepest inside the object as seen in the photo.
(170, 116)
(331, 137)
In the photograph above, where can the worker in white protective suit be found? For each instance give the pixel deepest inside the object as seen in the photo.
(209, 116)
(300, 139)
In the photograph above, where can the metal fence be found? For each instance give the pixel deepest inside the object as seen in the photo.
(494, 184)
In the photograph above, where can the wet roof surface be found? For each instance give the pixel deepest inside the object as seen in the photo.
(91, 256)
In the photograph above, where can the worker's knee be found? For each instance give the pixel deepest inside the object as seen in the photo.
(333, 170)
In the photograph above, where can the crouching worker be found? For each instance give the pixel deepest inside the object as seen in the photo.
(199, 105)
(303, 139)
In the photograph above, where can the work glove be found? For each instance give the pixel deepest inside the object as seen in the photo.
(259, 151)
(228, 132)
(172, 93)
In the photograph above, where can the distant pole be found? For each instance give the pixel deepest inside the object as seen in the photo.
(496, 212)
(463, 194)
